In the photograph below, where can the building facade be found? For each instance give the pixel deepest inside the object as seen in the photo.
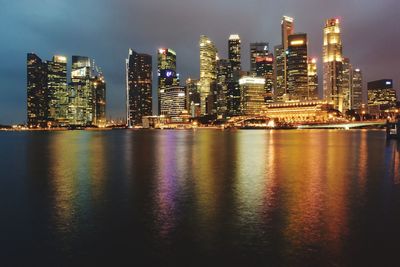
(381, 94)
(166, 71)
(37, 95)
(208, 71)
(138, 87)
(333, 63)
(257, 50)
(297, 68)
(312, 79)
(57, 89)
(252, 95)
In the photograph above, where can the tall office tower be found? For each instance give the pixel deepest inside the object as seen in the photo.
(279, 73)
(312, 78)
(138, 87)
(265, 69)
(287, 28)
(37, 97)
(257, 50)
(381, 94)
(252, 95)
(99, 90)
(224, 71)
(234, 51)
(208, 71)
(332, 63)
(297, 69)
(356, 90)
(173, 101)
(193, 98)
(347, 70)
(58, 93)
(81, 105)
(167, 75)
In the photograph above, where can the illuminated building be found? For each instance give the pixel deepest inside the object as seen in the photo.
(57, 89)
(257, 50)
(332, 63)
(281, 52)
(193, 98)
(234, 51)
(252, 95)
(173, 101)
(208, 71)
(300, 111)
(347, 70)
(37, 97)
(265, 69)
(279, 73)
(99, 89)
(138, 87)
(167, 75)
(233, 94)
(356, 90)
(297, 68)
(287, 28)
(312, 79)
(381, 94)
(81, 104)
(224, 71)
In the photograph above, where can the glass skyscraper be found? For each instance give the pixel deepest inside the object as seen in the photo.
(138, 87)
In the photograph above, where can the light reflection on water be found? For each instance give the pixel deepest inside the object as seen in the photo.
(271, 196)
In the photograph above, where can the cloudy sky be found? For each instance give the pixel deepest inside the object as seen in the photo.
(104, 30)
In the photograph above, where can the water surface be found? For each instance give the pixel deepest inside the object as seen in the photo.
(205, 197)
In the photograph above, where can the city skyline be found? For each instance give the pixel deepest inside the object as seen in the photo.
(376, 59)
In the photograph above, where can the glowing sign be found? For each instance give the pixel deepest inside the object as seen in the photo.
(264, 59)
(297, 42)
(388, 83)
(169, 74)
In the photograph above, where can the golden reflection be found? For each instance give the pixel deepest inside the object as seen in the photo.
(63, 172)
(302, 187)
(204, 163)
(77, 173)
(251, 179)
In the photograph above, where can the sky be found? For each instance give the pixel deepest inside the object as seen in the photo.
(105, 30)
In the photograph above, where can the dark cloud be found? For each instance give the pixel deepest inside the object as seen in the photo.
(104, 30)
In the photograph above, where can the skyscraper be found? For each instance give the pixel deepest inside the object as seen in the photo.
(167, 75)
(37, 95)
(279, 73)
(281, 52)
(81, 104)
(265, 69)
(312, 78)
(347, 74)
(193, 98)
(224, 70)
(332, 63)
(99, 87)
(297, 69)
(138, 87)
(234, 51)
(57, 89)
(257, 50)
(287, 28)
(208, 71)
(357, 90)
